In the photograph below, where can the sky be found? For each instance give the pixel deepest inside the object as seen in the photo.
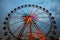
(52, 5)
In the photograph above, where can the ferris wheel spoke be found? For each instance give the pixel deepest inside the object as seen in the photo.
(42, 29)
(15, 23)
(39, 27)
(45, 22)
(31, 11)
(30, 31)
(35, 11)
(40, 33)
(17, 29)
(36, 26)
(21, 31)
(42, 22)
(16, 17)
(19, 13)
(28, 10)
(39, 13)
(23, 11)
(42, 17)
(20, 17)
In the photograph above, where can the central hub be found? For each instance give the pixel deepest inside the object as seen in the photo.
(28, 19)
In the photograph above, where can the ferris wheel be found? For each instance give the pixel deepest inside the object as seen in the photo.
(29, 22)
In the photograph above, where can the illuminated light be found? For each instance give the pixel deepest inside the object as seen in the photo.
(28, 19)
(42, 37)
(33, 16)
(59, 38)
(35, 36)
